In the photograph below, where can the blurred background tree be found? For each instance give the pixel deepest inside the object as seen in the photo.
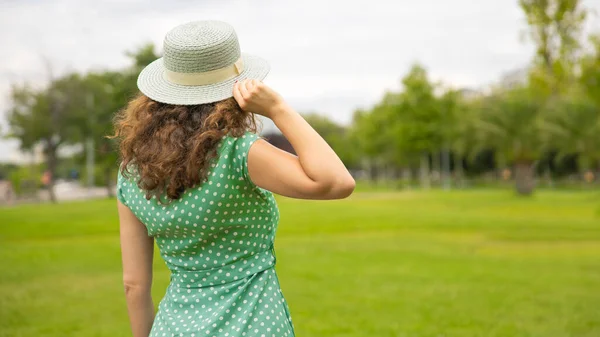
(76, 109)
(543, 122)
(44, 117)
(511, 124)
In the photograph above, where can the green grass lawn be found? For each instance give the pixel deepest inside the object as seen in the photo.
(476, 263)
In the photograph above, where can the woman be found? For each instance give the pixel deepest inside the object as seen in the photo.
(196, 179)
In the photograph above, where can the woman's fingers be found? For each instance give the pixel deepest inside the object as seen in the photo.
(249, 85)
(246, 92)
(237, 94)
(243, 89)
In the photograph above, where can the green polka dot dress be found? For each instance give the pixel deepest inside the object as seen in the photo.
(217, 240)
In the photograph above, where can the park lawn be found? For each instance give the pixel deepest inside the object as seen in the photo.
(469, 263)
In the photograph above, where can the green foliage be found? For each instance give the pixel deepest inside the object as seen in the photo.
(573, 127)
(418, 115)
(371, 132)
(74, 109)
(31, 120)
(555, 27)
(45, 117)
(100, 175)
(511, 123)
(6, 169)
(519, 124)
(142, 57)
(461, 117)
(590, 71)
(26, 179)
(403, 125)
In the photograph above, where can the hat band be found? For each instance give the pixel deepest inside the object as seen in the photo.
(207, 77)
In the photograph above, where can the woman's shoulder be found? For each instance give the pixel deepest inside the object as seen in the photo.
(127, 172)
(248, 135)
(240, 143)
(233, 155)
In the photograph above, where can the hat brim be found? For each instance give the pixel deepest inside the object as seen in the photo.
(153, 84)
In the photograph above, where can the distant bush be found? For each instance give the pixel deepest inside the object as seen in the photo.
(25, 180)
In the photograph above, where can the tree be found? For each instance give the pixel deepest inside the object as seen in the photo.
(511, 124)
(142, 57)
(43, 117)
(460, 115)
(590, 71)
(573, 127)
(418, 121)
(590, 83)
(372, 134)
(404, 128)
(105, 93)
(94, 116)
(555, 27)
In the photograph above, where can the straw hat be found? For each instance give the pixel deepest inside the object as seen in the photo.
(201, 62)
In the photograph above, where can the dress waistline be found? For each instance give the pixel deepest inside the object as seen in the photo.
(240, 269)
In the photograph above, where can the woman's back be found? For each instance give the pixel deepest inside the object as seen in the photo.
(217, 240)
(185, 140)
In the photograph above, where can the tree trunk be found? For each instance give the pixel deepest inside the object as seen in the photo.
(424, 171)
(548, 174)
(90, 159)
(380, 172)
(396, 172)
(435, 167)
(524, 177)
(109, 184)
(459, 170)
(500, 167)
(51, 162)
(396, 177)
(446, 169)
(407, 177)
(597, 177)
(370, 170)
(389, 173)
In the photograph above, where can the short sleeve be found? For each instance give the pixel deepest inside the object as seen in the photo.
(121, 184)
(242, 148)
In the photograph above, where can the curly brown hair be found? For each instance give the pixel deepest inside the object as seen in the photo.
(172, 146)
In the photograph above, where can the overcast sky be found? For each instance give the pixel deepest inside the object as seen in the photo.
(327, 56)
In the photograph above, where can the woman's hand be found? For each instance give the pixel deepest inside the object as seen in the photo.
(257, 97)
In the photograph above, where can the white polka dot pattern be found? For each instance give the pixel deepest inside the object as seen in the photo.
(217, 240)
